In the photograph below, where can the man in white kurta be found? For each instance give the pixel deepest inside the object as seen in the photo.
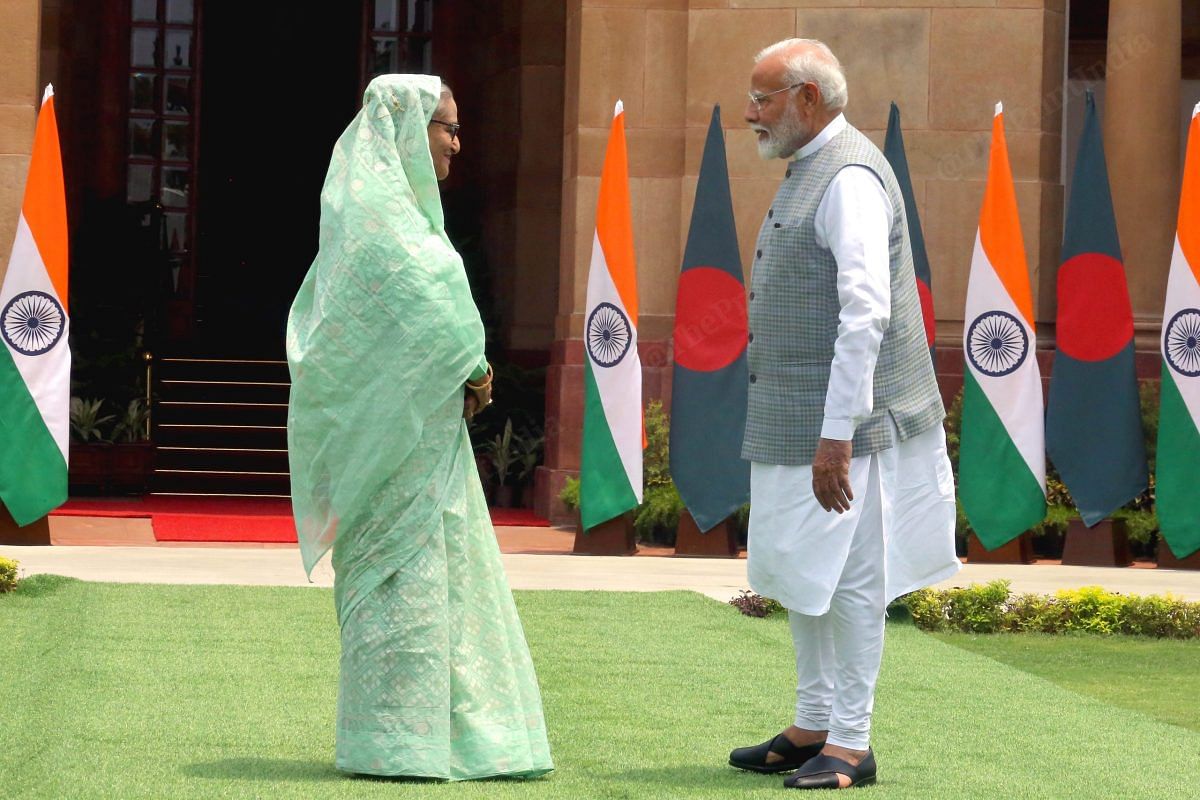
(835, 539)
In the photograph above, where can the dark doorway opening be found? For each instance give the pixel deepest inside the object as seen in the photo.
(279, 83)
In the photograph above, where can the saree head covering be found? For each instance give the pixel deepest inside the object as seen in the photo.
(435, 677)
(383, 328)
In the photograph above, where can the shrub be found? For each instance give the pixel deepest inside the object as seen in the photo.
(978, 609)
(8, 574)
(657, 517)
(755, 605)
(570, 494)
(1090, 609)
(1141, 524)
(991, 608)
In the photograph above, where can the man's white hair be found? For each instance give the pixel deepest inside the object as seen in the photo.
(814, 62)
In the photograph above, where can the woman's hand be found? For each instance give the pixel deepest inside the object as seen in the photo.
(477, 396)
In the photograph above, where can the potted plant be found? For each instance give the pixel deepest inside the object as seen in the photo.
(502, 452)
(133, 452)
(103, 459)
(90, 451)
(529, 446)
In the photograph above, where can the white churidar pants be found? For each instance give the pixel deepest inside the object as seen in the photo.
(836, 573)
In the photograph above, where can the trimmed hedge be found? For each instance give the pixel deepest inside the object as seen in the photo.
(8, 574)
(992, 608)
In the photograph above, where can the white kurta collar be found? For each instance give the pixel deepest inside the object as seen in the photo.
(835, 126)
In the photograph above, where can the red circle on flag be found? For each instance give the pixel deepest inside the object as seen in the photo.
(926, 297)
(1095, 319)
(710, 319)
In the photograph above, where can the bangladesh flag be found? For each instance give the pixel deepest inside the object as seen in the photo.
(1178, 464)
(893, 151)
(709, 381)
(1094, 422)
(1002, 459)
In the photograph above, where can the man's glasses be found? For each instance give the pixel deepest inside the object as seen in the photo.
(450, 126)
(757, 98)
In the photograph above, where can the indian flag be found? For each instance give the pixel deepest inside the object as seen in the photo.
(35, 362)
(611, 469)
(1002, 461)
(1177, 499)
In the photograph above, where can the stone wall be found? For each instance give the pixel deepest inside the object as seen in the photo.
(19, 98)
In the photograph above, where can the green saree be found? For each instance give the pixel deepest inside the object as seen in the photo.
(435, 679)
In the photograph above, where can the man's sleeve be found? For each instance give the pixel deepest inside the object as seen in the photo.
(853, 220)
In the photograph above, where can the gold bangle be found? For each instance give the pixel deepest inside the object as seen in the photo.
(486, 383)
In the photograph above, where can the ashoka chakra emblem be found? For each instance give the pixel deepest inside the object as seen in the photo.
(32, 323)
(1181, 342)
(608, 335)
(997, 343)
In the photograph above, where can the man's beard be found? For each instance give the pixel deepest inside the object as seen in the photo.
(784, 138)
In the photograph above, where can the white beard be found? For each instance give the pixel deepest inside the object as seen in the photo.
(781, 141)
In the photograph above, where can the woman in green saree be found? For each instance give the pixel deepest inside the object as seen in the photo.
(382, 341)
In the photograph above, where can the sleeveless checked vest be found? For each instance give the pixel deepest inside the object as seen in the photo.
(794, 311)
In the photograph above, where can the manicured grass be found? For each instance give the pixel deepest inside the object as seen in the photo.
(128, 691)
(1158, 677)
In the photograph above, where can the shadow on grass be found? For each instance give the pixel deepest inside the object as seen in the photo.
(700, 777)
(39, 586)
(265, 769)
(296, 770)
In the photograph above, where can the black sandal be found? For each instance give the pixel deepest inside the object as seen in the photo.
(754, 758)
(822, 773)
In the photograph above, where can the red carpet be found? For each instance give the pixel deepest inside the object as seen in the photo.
(220, 519)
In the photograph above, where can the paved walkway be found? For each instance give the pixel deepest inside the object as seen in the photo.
(718, 578)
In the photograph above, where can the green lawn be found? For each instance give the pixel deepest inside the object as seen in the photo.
(1158, 677)
(126, 691)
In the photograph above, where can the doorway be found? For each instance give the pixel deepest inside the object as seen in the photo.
(278, 85)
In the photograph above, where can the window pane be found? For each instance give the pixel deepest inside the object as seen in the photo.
(179, 49)
(420, 16)
(141, 137)
(177, 241)
(177, 140)
(179, 95)
(145, 10)
(385, 57)
(141, 179)
(144, 47)
(387, 15)
(176, 183)
(141, 92)
(179, 11)
(415, 55)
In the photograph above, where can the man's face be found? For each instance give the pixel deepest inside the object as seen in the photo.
(776, 118)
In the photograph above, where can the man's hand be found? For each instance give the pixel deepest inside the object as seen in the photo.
(831, 475)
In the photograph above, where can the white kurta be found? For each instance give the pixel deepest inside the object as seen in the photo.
(797, 549)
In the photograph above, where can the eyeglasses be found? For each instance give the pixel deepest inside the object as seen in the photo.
(450, 126)
(757, 98)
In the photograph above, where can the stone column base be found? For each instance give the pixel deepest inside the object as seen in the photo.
(613, 538)
(1106, 545)
(1017, 551)
(719, 542)
(35, 533)
(547, 484)
(1167, 559)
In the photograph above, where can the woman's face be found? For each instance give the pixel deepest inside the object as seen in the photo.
(443, 137)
